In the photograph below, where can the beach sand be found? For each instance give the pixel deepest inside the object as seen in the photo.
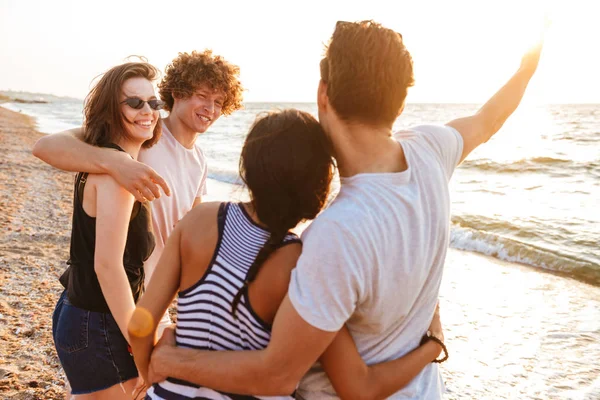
(512, 331)
(35, 212)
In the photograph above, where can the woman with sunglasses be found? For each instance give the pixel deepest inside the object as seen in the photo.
(110, 240)
(231, 265)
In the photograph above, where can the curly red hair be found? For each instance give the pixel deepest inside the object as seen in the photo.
(189, 71)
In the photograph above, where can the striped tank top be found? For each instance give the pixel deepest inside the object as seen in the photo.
(204, 317)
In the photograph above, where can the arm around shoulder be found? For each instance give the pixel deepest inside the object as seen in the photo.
(67, 151)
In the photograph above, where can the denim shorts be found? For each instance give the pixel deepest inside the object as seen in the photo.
(91, 348)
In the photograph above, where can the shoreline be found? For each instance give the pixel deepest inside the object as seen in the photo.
(505, 323)
(559, 261)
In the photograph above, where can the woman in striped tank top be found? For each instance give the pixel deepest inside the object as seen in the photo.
(231, 265)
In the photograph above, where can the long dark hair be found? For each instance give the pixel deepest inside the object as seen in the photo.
(287, 166)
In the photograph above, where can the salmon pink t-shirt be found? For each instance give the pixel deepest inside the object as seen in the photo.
(185, 172)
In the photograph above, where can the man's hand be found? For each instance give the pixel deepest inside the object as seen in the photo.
(138, 178)
(531, 58)
(481, 126)
(166, 341)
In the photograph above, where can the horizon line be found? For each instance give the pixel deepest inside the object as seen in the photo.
(596, 102)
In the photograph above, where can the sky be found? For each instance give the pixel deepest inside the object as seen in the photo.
(463, 50)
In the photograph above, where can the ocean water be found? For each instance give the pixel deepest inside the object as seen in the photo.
(530, 196)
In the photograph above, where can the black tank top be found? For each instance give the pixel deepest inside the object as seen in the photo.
(80, 279)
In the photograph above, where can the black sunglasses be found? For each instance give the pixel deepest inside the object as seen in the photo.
(138, 104)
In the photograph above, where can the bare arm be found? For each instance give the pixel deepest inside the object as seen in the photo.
(67, 151)
(353, 379)
(113, 211)
(479, 128)
(183, 262)
(154, 303)
(197, 201)
(294, 347)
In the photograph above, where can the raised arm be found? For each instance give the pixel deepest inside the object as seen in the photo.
(479, 128)
(67, 151)
(353, 379)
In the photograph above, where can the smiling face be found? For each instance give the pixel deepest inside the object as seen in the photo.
(140, 123)
(199, 111)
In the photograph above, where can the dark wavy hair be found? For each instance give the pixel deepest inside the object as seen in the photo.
(189, 71)
(103, 118)
(287, 166)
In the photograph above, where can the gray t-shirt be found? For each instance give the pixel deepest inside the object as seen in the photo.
(373, 260)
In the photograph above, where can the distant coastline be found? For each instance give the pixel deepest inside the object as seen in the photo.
(11, 95)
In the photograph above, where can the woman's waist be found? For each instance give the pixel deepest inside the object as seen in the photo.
(85, 263)
(172, 388)
(84, 290)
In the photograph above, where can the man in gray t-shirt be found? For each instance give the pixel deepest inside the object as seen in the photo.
(384, 240)
(373, 260)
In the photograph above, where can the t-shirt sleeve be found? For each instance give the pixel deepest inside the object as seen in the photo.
(202, 191)
(325, 287)
(446, 142)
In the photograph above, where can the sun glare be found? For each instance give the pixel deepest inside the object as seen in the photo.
(463, 50)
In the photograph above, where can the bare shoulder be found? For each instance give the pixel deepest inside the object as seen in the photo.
(285, 256)
(111, 202)
(199, 225)
(277, 269)
(108, 188)
(272, 282)
(105, 181)
(203, 212)
(198, 240)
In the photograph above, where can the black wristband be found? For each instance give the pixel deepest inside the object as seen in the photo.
(428, 336)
